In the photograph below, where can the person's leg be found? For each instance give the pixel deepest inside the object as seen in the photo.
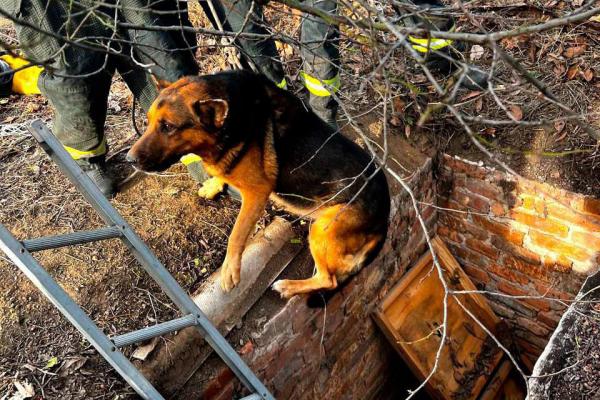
(169, 55)
(240, 16)
(321, 56)
(75, 81)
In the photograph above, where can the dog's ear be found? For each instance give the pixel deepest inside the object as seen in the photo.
(160, 83)
(211, 113)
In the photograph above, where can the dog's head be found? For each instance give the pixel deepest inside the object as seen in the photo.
(186, 117)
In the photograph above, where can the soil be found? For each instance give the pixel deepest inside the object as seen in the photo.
(581, 374)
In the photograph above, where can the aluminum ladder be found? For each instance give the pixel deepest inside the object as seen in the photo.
(20, 253)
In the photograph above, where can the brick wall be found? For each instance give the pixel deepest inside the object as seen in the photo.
(348, 358)
(513, 237)
(521, 238)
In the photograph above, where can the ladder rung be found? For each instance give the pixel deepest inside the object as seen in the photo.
(154, 331)
(253, 396)
(69, 239)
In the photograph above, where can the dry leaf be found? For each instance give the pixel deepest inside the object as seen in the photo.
(71, 365)
(470, 95)
(588, 75)
(516, 112)
(395, 121)
(490, 131)
(574, 51)
(532, 52)
(559, 70)
(407, 131)
(559, 126)
(399, 104)
(572, 71)
(479, 104)
(25, 389)
(476, 52)
(142, 352)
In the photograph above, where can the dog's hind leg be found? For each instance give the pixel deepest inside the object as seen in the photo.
(339, 245)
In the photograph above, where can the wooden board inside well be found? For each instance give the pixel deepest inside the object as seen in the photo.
(411, 316)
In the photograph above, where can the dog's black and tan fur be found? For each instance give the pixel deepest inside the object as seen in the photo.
(262, 140)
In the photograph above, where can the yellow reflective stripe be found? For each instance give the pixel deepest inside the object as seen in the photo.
(77, 154)
(321, 88)
(425, 45)
(190, 159)
(25, 81)
(282, 84)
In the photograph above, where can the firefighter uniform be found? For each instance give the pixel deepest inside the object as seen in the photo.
(319, 49)
(77, 80)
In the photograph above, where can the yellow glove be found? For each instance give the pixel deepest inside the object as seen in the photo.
(25, 81)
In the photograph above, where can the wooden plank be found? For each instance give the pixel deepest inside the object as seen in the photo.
(410, 318)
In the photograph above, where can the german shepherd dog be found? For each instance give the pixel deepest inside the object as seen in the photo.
(262, 140)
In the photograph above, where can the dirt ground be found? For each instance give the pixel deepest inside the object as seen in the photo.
(39, 348)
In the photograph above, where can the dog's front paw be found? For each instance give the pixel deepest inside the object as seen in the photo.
(230, 274)
(285, 288)
(211, 188)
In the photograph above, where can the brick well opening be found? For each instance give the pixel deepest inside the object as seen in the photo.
(513, 237)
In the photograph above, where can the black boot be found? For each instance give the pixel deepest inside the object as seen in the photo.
(95, 169)
(6, 77)
(326, 108)
(475, 79)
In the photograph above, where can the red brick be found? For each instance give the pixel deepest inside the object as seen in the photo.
(533, 204)
(540, 303)
(502, 310)
(535, 271)
(500, 228)
(445, 232)
(522, 253)
(549, 318)
(552, 292)
(587, 205)
(470, 169)
(533, 327)
(548, 225)
(483, 248)
(497, 209)
(510, 289)
(528, 347)
(507, 273)
(484, 189)
(563, 213)
(226, 393)
(472, 201)
(559, 247)
(587, 239)
(476, 273)
(474, 230)
(558, 263)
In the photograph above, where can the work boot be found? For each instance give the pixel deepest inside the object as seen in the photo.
(95, 169)
(475, 79)
(326, 108)
(6, 78)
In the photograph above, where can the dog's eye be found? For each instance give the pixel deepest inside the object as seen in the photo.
(166, 127)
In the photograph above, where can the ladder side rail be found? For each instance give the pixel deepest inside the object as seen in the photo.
(61, 299)
(146, 258)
